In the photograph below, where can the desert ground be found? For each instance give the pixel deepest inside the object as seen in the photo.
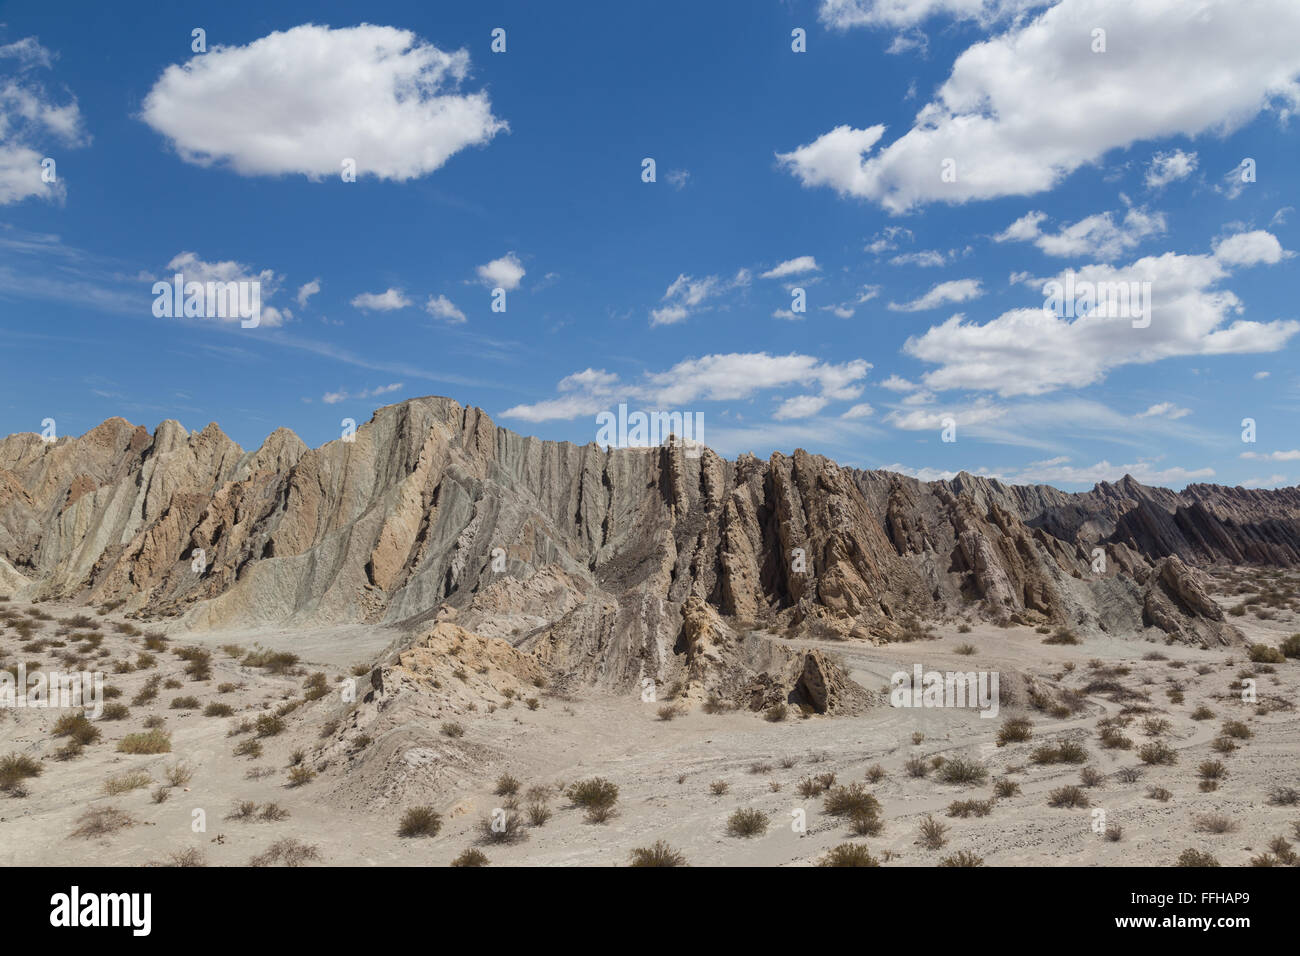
(285, 769)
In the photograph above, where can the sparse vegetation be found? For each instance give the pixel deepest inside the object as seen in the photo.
(747, 822)
(658, 854)
(420, 822)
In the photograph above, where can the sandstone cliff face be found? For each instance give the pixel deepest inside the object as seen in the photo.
(606, 566)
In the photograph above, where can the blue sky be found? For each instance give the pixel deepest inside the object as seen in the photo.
(825, 170)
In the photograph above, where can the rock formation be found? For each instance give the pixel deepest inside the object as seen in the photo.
(606, 567)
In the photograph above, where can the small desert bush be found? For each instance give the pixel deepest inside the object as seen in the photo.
(148, 742)
(719, 787)
(596, 796)
(300, 775)
(126, 782)
(452, 729)
(248, 748)
(1062, 635)
(970, 808)
(185, 703)
(1005, 788)
(288, 851)
(471, 857)
(268, 725)
(963, 771)
(850, 801)
(933, 833)
(114, 711)
(274, 662)
(1263, 654)
(420, 822)
(1212, 770)
(1202, 713)
(78, 727)
(101, 821)
(916, 767)
(14, 769)
(218, 709)
(747, 822)
(502, 826)
(1066, 751)
(1237, 730)
(1214, 823)
(849, 854)
(1070, 796)
(1091, 776)
(658, 854)
(962, 858)
(1014, 730)
(1157, 752)
(178, 774)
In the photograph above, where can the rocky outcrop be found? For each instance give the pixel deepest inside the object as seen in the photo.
(605, 567)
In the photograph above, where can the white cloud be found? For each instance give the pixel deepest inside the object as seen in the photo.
(845, 14)
(934, 419)
(887, 239)
(792, 267)
(194, 269)
(1165, 410)
(712, 378)
(688, 295)
(678, 178)
(1260, 375)
(1030, 351)
(442, 307)
(861, 410)
(388, 301)
(504, 273)
(1292, 455)
(1169, 167)
(801, 406)
(1272, 481)
(308, 290)
(1059, 472)
(926, 258)
(1096, 236)
(305, 99)
(333, 398)
(956, 290)
(31, 122)
(896, 383)
(1251, 248)
(1025, 108)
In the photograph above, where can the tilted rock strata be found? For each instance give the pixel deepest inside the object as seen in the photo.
(605, 567)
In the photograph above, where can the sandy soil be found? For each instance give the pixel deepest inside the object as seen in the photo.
(664, 769)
